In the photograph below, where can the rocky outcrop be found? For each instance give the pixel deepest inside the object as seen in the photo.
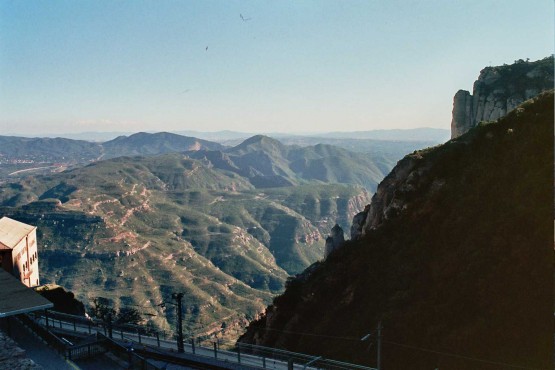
(358, 223)
(396, 192)
(335, 240)
(499, 90)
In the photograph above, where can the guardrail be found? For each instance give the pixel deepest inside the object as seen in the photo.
(89, 349)
(239, 353)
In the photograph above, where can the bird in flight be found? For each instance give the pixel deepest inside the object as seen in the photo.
(206, 48)
(243, 18)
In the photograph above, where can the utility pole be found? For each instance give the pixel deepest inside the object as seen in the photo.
(110, 325)
(379, 332)
(178, 297)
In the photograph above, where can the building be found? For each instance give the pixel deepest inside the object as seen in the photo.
(18, 251)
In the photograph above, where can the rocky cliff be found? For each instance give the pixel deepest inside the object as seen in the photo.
(499, 90)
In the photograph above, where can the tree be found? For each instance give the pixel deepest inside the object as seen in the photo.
(103, 311)
(127, 315)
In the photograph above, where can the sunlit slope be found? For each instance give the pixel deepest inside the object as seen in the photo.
(136, 229)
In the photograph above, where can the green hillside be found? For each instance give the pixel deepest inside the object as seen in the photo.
(146, 144)
(268, 163)
(459, 266)
(136, 229)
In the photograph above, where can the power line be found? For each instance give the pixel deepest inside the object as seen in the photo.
(312, 334)
(411, 347)
(460, 356)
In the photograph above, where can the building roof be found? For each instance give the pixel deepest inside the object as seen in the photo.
(16, 298)
(12, 232)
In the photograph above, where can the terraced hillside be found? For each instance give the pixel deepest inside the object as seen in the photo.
(134, 230)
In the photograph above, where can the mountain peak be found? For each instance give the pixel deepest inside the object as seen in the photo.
(260, 139)
(260, 142)
(143, 143)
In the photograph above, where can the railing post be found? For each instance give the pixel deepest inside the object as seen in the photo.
(193, 345)
(290, 364)
(139, 333)
(238, 354)
(110, 326)
(263, 362)
(380, 327)
(215, 351)
(158, 339)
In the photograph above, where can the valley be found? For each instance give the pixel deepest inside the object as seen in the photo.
(227, 233)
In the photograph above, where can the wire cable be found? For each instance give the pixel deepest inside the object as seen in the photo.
(459, 356)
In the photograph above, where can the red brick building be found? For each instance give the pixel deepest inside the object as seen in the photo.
(18, 250)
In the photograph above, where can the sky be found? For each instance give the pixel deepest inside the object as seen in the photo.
(253, 66)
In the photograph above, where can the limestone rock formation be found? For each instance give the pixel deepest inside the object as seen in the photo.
(398, 190)
(335, 240)
(358, 223)
(499, 90)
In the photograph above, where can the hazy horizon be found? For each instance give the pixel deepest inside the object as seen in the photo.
(419, 134)
(257, 66)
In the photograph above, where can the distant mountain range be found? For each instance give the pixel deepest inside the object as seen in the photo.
(21, 156)
(268, 163)
(417, 134)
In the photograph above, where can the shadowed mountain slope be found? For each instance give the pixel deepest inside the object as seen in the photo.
(456, 261)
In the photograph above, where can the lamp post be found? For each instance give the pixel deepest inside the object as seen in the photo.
(379, 344)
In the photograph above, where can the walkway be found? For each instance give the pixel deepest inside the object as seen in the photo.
(36, 349)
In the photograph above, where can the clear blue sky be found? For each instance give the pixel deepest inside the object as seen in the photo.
(342, 65)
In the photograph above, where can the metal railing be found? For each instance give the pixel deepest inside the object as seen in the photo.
(86, 350)
(239, 353)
